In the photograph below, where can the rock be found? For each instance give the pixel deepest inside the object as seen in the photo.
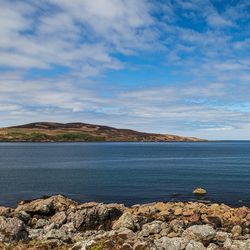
(59, 235)
(12, 229)
(59, 218)
(127, 220)
(40, 207)
(172, 243)
(126, 246)
(199, 191)
(212, 246)
(96, 217)
(41, 223)
(188, 212)
(215, 221)
(194, 245)
(178, 211)
(203, 233)
(5, 211)
(47, 206)
(240, 245)
(35, 233)
(236, 231)
(49, 227)
(177, 226)
(151, 228)
(125, 233)
(221, 236)
(140, 246)
(82, 245)
(23, 216)
(68, 227)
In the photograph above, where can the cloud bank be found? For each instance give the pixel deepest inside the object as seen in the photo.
(178, 67)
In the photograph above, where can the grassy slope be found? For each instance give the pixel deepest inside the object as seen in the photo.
(56, 132)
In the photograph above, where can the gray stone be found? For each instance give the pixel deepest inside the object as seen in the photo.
(151, 228)
(82, 245)
(240, 245)
(175, 243)
(127, 220)
(194, 245)
(221, 236)
(35, 233)
(12, 229)
(23, 216)
(59, 235)
(177, 226)
(99, 216)
(203, 233)
(59, 218)
(41, 223)
(212, 246)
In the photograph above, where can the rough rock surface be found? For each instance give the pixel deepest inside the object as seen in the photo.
(57, 222)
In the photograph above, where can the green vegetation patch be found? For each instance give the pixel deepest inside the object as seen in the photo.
(43, 137)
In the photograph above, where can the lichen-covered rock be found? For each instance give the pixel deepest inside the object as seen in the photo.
(99, 216)
(194, 245)
(127, 220)
(58, 235)
(172, 243)
(40, 207)
(47, 206)
(59, 218)
(12, 229)
(41, 223)
(151, 228)
(203, 233)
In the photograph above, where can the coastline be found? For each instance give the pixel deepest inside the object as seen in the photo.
(58, 222)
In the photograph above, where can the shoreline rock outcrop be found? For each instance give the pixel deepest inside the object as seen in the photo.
(58, 222)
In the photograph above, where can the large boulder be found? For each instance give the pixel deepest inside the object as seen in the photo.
(46, 206)
(100, 216)
(175, 243)
(40, 207)
(203, 233)
(12, 229)
(59, 218)
(127, 220)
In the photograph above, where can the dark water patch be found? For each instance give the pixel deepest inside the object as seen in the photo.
(126, 172)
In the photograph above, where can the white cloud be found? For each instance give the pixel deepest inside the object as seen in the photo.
(208, 66)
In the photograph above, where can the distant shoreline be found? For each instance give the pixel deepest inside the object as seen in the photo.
(82, 132)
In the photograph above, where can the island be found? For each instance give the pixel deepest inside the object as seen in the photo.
(82, 132)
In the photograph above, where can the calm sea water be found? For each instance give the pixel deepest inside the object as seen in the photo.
(125, 172)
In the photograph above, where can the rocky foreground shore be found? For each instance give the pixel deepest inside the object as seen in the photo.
(58, 222)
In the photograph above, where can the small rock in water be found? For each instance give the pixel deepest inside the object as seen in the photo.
(199, 191)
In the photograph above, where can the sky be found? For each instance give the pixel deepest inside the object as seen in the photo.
(168, 66)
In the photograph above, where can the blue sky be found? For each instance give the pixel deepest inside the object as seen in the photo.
(178, 67)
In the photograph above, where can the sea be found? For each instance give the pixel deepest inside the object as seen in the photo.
(129, 173)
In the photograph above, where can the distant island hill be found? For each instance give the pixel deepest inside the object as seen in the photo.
(82, 132)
